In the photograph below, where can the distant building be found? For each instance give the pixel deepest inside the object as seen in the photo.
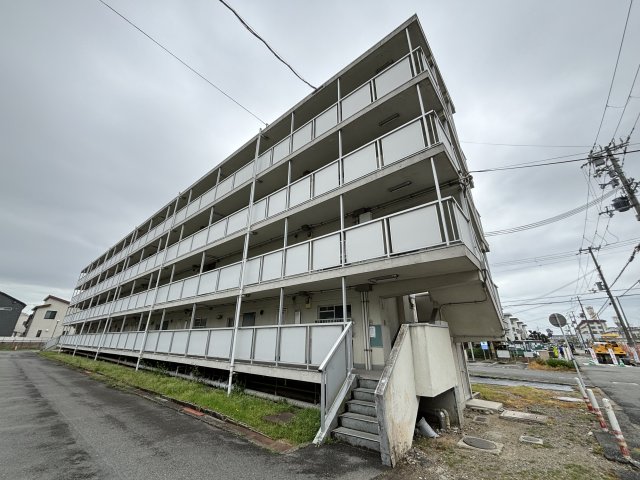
(44, 319)
(10, 309)
(597, 327)
(515, 329)
(21, 325)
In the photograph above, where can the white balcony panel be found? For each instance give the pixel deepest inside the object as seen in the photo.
(326, 252)
(159, 259)
(277, 202)
(172, 252)
(164, 341)
(162, 294)
(292, 344)
(174, 291)
(199, 239)
(224, 187)
(243, 175)
(150, 344)
(322, 339)
(243, 344)
(402, 143)
(393, 77)
(179, 343)
(326, 179)
(208, 282)
(208, 197)
(297, 260)
(302, 136)
(359, 163)
(272, 266)
(237, 221)
(149, 297)
(184, 246)
(193, 207)
(464, 229)
(364, 242)
(131, 341)
(141, 298)
(300, 191)
(220, 344)
(252, 271)
(190, 288)
(121, 340)
(326, 121)
(180, 216)
(415, 229)
(259, 211)
(280, 151)
(265, 344)
(198, 342)
(264, 161)
(356, 101)
(216, 231)
(229, 277)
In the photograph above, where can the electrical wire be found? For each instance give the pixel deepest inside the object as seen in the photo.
(537, 145)
(626, 104)
(615, 69)
(255, 34)
(550, 220)
(182, 62)
(519, 166)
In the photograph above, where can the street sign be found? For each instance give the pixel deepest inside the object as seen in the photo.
(484, 345)
(557, 320)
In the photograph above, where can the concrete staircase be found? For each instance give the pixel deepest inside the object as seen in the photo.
(358, 426)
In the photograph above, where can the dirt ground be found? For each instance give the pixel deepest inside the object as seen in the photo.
(569, 452)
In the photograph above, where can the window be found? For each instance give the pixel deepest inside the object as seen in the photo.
(38, 333)
(200, 322)
(249, 319)
(332, 313)
(50, 314)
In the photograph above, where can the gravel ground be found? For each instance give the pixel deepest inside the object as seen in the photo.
(570, 450)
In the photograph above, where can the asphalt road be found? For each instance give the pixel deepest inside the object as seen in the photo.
(519, 372)
(622, 385)
(58, 423)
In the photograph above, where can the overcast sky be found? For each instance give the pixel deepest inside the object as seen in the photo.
(89, 107)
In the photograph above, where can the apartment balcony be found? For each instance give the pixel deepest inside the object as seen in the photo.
(375, 93)
(393, 157)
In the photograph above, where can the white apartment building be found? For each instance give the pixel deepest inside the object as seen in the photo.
(46, 320)
(290, 265)
(595, 327)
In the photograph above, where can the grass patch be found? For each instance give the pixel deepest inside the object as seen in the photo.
(551, 364)
(237, 406)
(520, 397)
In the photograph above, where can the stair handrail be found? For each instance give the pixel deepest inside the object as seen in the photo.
(324, 408)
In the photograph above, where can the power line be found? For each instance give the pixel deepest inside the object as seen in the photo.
(562, 296)
(549, 220)
(615, 69)
(182, 61)
(628, 100)
(255, 34)
(515, 167)
(562, 301)
(536, 145)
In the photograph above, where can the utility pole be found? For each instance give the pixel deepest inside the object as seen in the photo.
(584, 315)
(630, 340)
(578, 332)
(605, 163)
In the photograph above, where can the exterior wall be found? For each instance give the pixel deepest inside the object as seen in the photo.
(10, 309)
(47, 327)
(20, 327)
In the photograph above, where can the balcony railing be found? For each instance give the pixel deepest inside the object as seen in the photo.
(419, 228)
(381, 84)
(402, 142)
(303, 346)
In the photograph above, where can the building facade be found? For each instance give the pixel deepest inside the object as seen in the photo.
(10, 309)
(296, 258)
(592, 329)
(46, 320)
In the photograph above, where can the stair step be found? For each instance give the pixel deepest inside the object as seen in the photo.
(367, 383)
(357, 438)
(366, 394)
(362, 407)
(356, 421)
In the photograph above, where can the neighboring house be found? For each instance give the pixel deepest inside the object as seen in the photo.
(21, 325)
(306, 247)
(10, 309)
(46, 320)
(515, 330)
